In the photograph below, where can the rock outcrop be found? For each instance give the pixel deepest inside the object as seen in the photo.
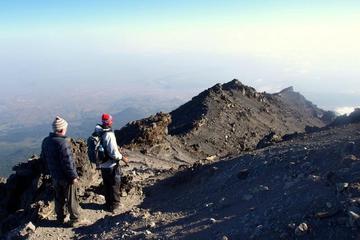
(27, 194)
(148, 131)
(353, 117)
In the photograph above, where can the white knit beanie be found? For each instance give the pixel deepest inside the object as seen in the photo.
(59, 124)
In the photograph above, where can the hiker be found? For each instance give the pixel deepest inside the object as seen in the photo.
(57, 156)
(110, 166)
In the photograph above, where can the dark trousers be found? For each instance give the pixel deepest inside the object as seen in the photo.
(66, 200)
(112, 182)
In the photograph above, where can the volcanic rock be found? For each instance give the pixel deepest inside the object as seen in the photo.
(302, 229)
(148, 131)
(224, 120)
(353, 117)
(21, 232)
(29, 194)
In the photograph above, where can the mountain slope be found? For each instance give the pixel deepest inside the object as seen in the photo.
(228, 119)
(307, 188)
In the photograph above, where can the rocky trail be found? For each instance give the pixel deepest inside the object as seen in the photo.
(91, 202)
(30, 191)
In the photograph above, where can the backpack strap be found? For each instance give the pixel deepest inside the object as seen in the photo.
(102, 144)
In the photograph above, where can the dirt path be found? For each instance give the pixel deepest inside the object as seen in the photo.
(143, 170)
(91, 204)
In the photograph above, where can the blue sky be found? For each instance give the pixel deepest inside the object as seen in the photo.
(184, 46)
(89, 12)
(68, 11)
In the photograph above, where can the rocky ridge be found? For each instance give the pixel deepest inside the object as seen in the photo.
(223, 120)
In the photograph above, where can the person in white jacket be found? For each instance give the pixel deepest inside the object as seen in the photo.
(110, 168)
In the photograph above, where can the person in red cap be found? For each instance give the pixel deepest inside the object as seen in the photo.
(110, 168)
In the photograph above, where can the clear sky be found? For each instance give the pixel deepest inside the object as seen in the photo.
(181, 46)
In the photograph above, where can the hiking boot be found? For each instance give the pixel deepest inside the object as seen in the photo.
(61, 221)
(106, 207)
(115, 209)
(79, 223)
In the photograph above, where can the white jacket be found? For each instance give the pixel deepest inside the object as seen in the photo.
(110, 145)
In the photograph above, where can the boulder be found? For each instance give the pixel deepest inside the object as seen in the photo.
(28, 193)
(148, 131)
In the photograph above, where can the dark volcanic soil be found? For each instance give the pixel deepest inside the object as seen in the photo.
(307, 188)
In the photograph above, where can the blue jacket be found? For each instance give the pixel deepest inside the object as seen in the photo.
(56, 154)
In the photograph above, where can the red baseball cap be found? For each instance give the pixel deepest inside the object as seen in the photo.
(106, 119)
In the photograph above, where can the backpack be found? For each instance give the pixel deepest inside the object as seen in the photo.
(96, 151)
